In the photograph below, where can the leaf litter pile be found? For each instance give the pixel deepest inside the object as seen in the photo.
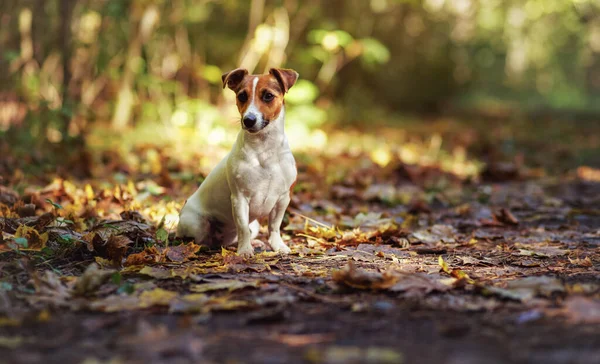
(390, 263)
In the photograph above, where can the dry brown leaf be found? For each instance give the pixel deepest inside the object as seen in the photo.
(353, 277)
(116, 247)
(7, 196)
(506, 217)
(148, 256)
(182, 253)
(420, 283)
(585, 262)
(91, 280)
(540, 251)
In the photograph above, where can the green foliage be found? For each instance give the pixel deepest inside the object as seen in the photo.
(374, 52)
(160, 62)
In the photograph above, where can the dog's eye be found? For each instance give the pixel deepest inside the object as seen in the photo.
(268, 97)
(242, 96)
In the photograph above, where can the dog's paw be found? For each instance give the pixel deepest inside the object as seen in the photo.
(278, 245)
(246, 251)
(258, 244)
(283, 249)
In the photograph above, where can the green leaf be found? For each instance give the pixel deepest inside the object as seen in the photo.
(162, 222)
(56, 206)
(126, 288)
(22, 242)
(47, 251)
(162, 235)
(116, 278)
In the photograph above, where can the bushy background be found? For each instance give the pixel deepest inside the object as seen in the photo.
(93, 71)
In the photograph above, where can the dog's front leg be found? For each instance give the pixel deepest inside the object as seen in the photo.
(241, 215)
(275, 219)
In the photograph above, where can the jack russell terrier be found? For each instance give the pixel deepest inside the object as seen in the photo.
(255, 179)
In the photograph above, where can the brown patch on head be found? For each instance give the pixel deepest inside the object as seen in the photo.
(265, 92)
(243, 93)
(232, 79)
(286, 77)
(268, 97)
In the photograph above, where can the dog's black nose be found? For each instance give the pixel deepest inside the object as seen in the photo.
(249, 120)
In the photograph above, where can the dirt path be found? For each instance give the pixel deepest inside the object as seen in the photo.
(508, 277)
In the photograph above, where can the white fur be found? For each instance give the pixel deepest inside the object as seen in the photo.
(251, 182)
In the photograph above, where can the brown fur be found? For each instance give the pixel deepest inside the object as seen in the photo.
(266, 83)
(277, 82)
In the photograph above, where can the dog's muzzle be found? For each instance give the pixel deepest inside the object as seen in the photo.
(249, 121)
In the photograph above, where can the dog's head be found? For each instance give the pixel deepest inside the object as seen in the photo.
(259, 98)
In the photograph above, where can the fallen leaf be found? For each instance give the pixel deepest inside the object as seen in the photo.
(149, 255)
(223, 284)
(201, 303)
(35, 240)
(540, 251)
(468, 260)
(92, 278)
(50, 289)
(525, 289)
(585, 262)
(11, 342)
(506, 217)
(353, 277)
(116, 247)
(139, 300)
(156, 272)
(156, 297)
(419, 283)
(435, 234)
(182, 253)
(368, 220)
(306, 271)
(456, 273)
(355, 355)
(7, 196)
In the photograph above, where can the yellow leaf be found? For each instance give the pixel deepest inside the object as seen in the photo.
(7, 321)
(227, 253)
(456, 273)
(103, 262)
(35, 240)
(443, 265)
(156, 272)
(220, 284)
(89, 192)
(44, 316)
(156, 297)
(11, 342)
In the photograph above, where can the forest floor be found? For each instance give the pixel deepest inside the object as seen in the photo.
(391, 263)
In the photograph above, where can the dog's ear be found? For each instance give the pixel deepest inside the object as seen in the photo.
(286, 77)
(232, 79)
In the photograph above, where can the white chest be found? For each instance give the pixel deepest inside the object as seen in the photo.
(263, 181)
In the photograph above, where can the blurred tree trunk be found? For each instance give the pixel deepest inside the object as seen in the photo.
(144, 20)
(257, 9)
(66, 11)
